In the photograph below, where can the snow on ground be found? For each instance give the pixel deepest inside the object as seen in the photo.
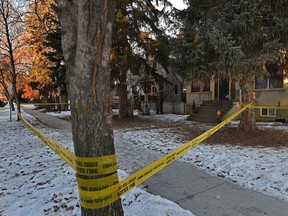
(262, 169)
(259, 168)
(26, 186)
(35, 181)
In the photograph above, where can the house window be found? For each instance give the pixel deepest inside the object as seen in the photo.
(272, 79)
(149, 89)
(266, 112)
(262, 82)
(200, 86)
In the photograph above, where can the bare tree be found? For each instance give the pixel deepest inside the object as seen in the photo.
(86, 41)
(4, 80)
(11, 40)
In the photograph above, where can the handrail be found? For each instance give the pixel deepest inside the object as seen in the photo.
(190, 108)
(219, 106)
(199, 97)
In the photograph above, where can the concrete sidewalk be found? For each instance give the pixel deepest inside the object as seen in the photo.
(194, 190)
(49, 120)
(207, 195)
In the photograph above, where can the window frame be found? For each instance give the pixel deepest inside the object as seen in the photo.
(268, 112)
(269, 81)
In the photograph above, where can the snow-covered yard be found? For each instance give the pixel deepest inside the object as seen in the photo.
(35, 181)
(264, 169)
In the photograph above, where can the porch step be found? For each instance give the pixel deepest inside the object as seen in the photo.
(207, 111)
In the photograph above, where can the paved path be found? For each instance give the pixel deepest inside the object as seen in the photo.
(49, 120)
(205, 195)
(192, 189)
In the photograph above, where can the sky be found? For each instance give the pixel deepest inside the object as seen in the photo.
(178, 4)
(35, 181)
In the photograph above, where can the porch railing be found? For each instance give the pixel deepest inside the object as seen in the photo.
(196, 102)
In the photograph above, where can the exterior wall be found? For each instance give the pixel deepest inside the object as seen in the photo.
(272, 97)
(265, 97)
(196, 97)
(170, 95)
(149, 107)
(177, 108)
(280, 115)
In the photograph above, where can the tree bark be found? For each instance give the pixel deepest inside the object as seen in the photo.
(86, 41)
(247, 122)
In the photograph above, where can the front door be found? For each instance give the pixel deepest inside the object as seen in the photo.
(221, 89)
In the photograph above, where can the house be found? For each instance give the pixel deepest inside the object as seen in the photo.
(271, 89)
(167, 92)
(161, 92)
(205, 98)
(175, 94)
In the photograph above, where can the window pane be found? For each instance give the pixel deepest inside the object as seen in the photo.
(206, 87)
(264, 112)
(195, 87)
(272, 112)
(276, 82)
(275, 75)
(260, 82)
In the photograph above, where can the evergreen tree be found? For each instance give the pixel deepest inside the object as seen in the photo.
(138, 41)
(55, 55)
(232, 39)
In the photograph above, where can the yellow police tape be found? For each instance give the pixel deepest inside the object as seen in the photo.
(100, 198)
(268, 107)
(84, 165)
(97, 191)
(45, 104)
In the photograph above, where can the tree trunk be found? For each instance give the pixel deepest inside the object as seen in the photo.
(123, 96)
(17, 99)
(63, 98)
(10, 49)
(6, 93)
(247, 122)
(10, 100)
(11, 104)
(86, 41)
(14, 83)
